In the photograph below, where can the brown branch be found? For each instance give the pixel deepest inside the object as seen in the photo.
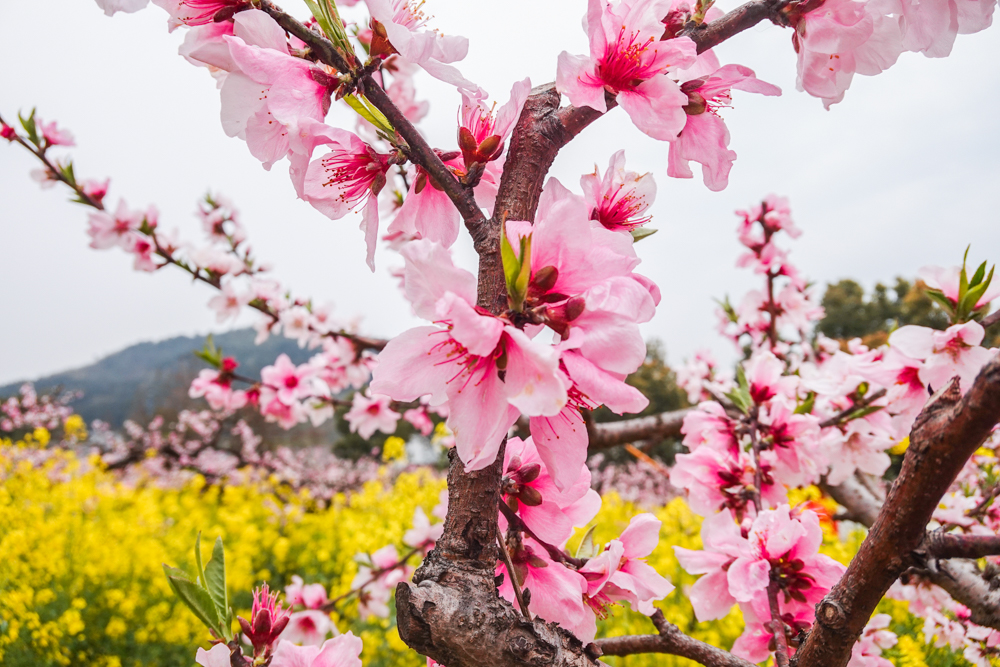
(777, 626)
(991, 319)
(964, 581)
(672, 641)
(847, 412)
(946, 433)
(862, 506)
(664, 425)
(744, 17)
(940, 545)
(417, 148)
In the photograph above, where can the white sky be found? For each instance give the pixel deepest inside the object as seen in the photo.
(902, 174)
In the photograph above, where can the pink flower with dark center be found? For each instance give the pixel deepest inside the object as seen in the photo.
(288, 381)
(308, 628)
(459, 360)
(342, 651)
(529, 489)
(200, 12)
(628, 60)
(619, 199)
(371, 413)
(107, 230)
(483, 130)
(705, 138)
(946, 354)
(715, 481)
(349, 177)
(53, 135)
(399, 26)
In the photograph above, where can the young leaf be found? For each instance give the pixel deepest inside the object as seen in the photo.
(806, 406)
(215, 583)
(978, 276)
(511, 269)
(587, 548)
(640, 233)
(524, 273)
(370, 113)
(195, 597)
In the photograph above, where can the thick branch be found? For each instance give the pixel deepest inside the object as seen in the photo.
(946, 433)
(672, 641)
(940, 545)
(611, 434)
(965, 583)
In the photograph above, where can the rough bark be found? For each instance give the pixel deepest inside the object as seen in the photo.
(946, 433)
(965, 583)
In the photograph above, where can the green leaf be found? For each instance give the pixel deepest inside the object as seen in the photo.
(943, 301)
(639, 233)
(197, 559)
(215, 583)
(587, 548)
(195, 598)
(511, 269)
(740, 395)
(29, 126)
(211, 355)
(806, 406)
(963, 280)
(978, 277)
(524, 273)
(364, 109)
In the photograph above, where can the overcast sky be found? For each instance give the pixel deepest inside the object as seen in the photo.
(903, 173)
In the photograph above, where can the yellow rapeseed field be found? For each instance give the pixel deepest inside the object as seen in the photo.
(81, 581)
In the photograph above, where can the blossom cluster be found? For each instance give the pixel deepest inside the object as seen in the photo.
(805, 409)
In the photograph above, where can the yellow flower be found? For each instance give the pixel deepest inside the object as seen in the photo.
(394, 449)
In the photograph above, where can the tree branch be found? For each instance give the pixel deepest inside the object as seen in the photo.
(417, 148)
(991, 319)
(672, 641)
(946, 433)
(663, 425)
(963, 580)
(847, 412)
(939, 545)
(862, 506)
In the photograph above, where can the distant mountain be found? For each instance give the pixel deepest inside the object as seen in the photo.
(139, 380)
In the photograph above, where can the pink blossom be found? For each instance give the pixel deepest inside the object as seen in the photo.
(200, 12)
(53, 135)
(946, 354)
(931, 27)
(217, 389)
(308, 627)
(404, 24)
(371, 413)
(842, 37)
(7, 132)
(858, 446)
(286, 415)
(288, 381)
(419, 419)
(107, 231)
(423, 535)
(757, 641)
(620, 574)
(556, 591)
(310, 596)
(349, 177)
(143, 249)
(458, 360)
(228, 302)
(110, 7)
(628, 60)
(342, 651)
(549, 511)
(217, 656)
(715, 480)
(483, 130)
(620, 198)
(705, 138)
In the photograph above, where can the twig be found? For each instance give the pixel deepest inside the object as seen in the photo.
(777, 626)
(949, 545)
(672, 641)
(513, 577)
(847, 412)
